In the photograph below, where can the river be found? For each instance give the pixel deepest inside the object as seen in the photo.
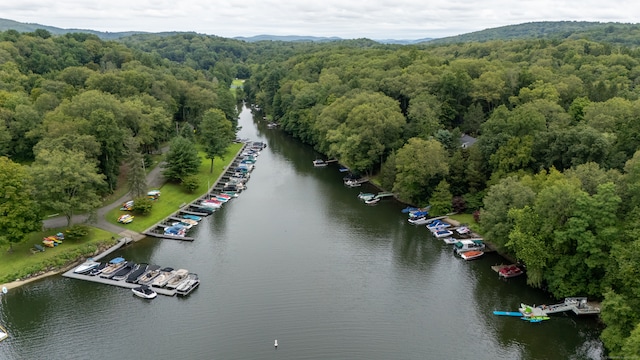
(297, 258)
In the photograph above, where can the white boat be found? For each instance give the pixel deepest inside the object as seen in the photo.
(470, 255)
(468, 245)
(3, 333)
(87, 266)
(442, 233)
(418, 221)
(163, 278)
(373, 201)
(188, 284)
(144, 292)
(450, 240)
(463, 230)
(177, 278)
(366, 196)
(320, 163)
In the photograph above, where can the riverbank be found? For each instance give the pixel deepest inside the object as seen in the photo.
(102, 223)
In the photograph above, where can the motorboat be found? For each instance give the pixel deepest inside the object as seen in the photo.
(463, 230)
(468, 245)
(149, 275)
(418, 221)
(192, 217)
(319, 163)
(366, 196)
(471, 255)
(188, 284)
(125, 271)
(450, 240)
(372, 201)
(97, 270)
(163, 278)
(114, 265)
(189, 222)
(133, 276)
(87, 266)
(178, 276)
(3, 333)
(442, 233)
(144, 292)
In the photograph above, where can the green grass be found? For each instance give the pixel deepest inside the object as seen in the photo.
(173, 195)
(21, 263)
(467, 219)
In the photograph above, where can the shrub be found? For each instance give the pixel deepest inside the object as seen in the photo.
(77, 232)
(142, 205)
(191, 183)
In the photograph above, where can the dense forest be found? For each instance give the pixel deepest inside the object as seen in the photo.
(552, 179)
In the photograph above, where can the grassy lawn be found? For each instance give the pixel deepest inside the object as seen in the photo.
(22, 263)
(467, 219)
(173, 195)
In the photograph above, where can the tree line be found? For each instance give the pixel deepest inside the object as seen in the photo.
(552, 176)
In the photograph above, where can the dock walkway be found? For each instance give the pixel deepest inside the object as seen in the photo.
(192, 208)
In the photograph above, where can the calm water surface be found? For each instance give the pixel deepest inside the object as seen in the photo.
(297, 258)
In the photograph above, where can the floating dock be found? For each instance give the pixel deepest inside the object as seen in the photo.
(193, 208)
(120, 283)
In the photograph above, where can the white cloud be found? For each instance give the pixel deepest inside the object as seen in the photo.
(406, 19)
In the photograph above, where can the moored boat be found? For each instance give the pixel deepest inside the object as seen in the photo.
(149, 275)
(124, 271)
(133, 276)
(192, 217)
(144, 292)
(163, 278)
(366, 196)
(471, 255)
(319, 163)
(114, 265)
(188, 284)
(3, 333)
(509, 271)
(418, 221)
(178, 276)
(442, 233)
(98, 269)
(468, 245)
(87, 266)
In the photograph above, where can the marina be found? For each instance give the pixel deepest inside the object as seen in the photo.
(124, 283)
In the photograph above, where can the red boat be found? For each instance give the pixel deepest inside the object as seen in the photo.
(510, 271)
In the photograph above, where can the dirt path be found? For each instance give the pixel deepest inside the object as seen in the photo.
(154, 180)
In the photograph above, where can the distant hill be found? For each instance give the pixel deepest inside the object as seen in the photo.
(294, 38)
(624, 34)
(6, 24)
(615, 33)
(322, 39)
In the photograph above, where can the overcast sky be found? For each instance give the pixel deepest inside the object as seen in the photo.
(374, 19)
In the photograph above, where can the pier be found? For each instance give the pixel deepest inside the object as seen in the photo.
(120, 283)
(194, 207)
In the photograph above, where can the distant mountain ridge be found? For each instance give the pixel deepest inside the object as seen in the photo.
(616, 33)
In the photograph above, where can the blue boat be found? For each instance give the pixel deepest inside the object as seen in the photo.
(409, 209)
(192, 217)
(508, 313)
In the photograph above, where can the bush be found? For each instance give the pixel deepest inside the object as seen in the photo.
(142, 205)
(191, 183)
(76, 232)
